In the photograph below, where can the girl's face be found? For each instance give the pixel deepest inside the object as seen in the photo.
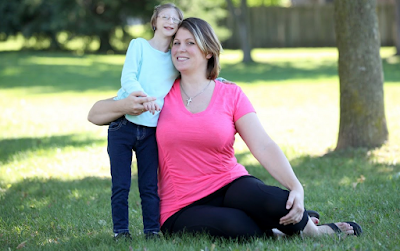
(186, 55)
(167, 22)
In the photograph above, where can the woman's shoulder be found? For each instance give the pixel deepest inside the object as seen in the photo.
(175, 85)
(228, 86)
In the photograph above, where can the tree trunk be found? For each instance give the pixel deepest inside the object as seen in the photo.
(241, 19)
(54, 44)
(105, 45)
(397, 26)
(362, 112)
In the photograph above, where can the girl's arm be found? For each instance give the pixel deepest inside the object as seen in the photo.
(271, 157)
(131, 68)
(105, 111)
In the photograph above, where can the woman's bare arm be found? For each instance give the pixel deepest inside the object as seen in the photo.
(103, 112)
(271, 157)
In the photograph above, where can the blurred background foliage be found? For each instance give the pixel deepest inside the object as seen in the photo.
(99, 25)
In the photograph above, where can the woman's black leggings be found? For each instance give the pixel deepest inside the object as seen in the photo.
(244, 208)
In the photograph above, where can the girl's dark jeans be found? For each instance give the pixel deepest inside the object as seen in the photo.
(124, 137)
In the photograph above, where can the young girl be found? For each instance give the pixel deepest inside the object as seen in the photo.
(147, 68)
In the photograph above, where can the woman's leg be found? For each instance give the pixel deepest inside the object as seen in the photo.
(267, 204)
(264, 204)
(216, 221)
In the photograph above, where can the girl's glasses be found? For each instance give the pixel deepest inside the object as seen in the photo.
(174, 20)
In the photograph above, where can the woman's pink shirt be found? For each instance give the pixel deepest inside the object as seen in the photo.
(196, 150)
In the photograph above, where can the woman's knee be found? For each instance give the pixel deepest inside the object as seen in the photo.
(251, 195)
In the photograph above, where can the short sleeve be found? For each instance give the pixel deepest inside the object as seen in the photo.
(242, 104)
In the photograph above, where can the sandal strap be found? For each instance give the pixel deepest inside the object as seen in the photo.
(356, 228)
(313, 213)
(334, 227)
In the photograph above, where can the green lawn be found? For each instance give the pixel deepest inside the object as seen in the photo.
(54, 169)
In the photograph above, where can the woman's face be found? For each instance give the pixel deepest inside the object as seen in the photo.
(186, 55)
(167, 22)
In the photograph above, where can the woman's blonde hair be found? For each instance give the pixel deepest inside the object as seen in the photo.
(159, 8)
(207, 41)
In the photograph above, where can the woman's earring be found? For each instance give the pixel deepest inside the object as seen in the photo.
(154, 28)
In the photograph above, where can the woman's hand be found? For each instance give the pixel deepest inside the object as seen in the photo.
(134, 103)
(105, 111)
(295, 203)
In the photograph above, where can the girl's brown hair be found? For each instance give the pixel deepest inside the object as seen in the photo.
(159, 8)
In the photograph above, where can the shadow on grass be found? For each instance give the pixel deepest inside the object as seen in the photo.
(60, 72)
(267, 72)
(11, 147)
(391, 67)
(46, 72)
(46, 212)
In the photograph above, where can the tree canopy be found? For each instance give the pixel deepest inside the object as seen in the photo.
(44, 19)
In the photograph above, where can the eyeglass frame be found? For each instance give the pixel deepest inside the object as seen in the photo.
(174, 20)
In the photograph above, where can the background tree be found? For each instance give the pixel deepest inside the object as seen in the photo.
(92, 18)
(101, 18)
(397, 32)
(242, 22)
(10, 13)
(362, 113)
(239, 10)
(212, 11)
(31, 18)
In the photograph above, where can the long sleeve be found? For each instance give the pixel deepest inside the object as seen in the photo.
(150, 71)
(131, 69)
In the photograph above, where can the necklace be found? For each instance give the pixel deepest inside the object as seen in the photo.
(190, 99)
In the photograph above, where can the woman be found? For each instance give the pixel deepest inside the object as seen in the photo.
(201, 185)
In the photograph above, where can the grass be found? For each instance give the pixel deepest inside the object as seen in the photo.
(54, 171)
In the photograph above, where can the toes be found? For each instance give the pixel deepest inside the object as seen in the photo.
(315, 220)
(345, 228)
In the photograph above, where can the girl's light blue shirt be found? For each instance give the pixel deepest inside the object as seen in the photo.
(150, 71)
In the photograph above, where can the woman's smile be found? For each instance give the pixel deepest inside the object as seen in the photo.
(185, 50)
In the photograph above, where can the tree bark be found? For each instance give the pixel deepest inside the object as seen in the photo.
(397, 26)
(105, 45)
(362, 112)
(241, 20)
(54, 44)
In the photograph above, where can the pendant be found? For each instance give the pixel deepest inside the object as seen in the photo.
(188, 101)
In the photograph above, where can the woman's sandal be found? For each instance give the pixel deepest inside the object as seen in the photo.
(356, 228)
(313, 213)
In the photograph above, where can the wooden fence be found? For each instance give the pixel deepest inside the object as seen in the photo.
(302, 26)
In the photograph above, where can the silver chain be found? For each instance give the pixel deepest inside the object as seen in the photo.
(190, 99)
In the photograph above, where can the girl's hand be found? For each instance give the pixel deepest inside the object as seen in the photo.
(152, 107)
